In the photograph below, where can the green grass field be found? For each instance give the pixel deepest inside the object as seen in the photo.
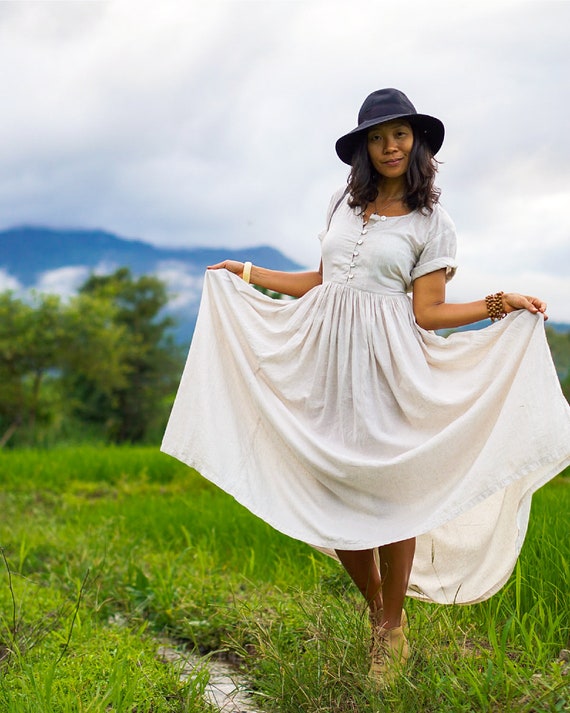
(106, 550)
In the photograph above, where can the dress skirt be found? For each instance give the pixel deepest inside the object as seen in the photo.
(340, 422)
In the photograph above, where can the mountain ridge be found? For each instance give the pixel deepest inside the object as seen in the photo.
(29, 253)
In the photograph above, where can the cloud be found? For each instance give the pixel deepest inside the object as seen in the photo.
(184, 286)
(470, 281)
(64, 281)
(192, 123)
(8, 282)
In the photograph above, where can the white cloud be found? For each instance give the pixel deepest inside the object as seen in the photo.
(471, 281)
(192, 123)
(185, 287)
(8, 282)
(64, 281)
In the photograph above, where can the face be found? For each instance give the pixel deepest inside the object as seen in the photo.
(389, 147)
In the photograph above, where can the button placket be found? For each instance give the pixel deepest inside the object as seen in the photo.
(355, 254)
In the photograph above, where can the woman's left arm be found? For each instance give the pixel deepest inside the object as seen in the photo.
(433, 312)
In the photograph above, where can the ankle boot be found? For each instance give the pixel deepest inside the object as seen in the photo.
(389, 652)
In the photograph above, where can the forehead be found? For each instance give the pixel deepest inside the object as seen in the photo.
(389, 126)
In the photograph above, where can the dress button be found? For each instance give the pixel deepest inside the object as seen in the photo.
(359, 242)
(382, 218)
(350, 276)
(364, 231)
(355, 253)
(352, 264)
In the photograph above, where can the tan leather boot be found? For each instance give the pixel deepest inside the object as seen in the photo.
(389, 652)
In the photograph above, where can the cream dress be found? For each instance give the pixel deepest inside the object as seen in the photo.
(342, 423)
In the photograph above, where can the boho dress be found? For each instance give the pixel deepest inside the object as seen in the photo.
(342, 423)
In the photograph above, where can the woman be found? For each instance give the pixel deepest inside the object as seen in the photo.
(342, 420)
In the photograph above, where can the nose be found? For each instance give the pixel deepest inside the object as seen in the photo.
(389, 145)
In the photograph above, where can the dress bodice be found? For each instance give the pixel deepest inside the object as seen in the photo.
(386, 254)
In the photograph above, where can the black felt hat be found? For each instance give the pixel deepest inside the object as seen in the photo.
(387, 105)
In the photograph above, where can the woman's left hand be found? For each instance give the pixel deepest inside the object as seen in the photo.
(513, 301)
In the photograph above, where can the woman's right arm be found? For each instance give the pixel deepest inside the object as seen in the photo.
(294, 284)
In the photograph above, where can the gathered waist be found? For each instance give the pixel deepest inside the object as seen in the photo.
(381, 291)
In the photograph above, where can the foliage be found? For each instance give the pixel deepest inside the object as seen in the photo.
(559, 343)
(41, 342)
(165, 552)
(102, 363)
(151, 360)
(26, 357)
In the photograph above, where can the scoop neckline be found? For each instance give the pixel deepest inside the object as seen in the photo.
(378, 217)
(387, 217)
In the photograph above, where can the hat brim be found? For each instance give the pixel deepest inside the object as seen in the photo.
(431, 128)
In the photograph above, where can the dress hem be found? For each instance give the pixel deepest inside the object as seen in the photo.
(328, 547)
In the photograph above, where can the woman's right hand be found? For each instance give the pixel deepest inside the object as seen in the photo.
(229, 265)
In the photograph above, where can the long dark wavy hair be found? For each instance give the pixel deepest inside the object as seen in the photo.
(420, 191)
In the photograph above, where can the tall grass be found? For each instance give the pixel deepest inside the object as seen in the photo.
(107, 549)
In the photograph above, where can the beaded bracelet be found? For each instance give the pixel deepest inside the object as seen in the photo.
(246, 274)
(494, 305)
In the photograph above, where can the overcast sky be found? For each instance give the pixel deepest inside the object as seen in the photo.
(192, 123)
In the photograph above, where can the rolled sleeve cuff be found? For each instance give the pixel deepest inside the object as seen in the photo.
(447, 263)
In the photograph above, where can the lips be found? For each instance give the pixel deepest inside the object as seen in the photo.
(393, 162)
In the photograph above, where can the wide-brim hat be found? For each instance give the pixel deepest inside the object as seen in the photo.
(386, 105)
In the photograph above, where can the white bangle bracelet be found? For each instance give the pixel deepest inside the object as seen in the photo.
(246, 274)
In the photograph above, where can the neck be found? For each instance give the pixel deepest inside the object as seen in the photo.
(391, 190)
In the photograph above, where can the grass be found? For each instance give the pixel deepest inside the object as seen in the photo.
(108, 549)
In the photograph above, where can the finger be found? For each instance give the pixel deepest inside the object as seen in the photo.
(529, 304)
(538, 303)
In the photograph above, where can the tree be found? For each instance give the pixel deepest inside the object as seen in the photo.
(559, 343)
(29, 335)
(41, 340)
(152, 361)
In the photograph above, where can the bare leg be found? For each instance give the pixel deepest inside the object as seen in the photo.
(385, 588)
(396, 561)
(363, 570)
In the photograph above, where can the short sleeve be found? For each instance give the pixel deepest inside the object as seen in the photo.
(440, 248)
(335, 201)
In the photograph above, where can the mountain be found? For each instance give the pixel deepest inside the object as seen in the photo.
(27, 252)
(52, 260)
